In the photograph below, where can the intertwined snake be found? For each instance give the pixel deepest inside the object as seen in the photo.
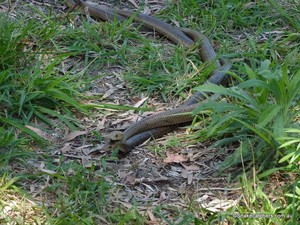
(161, 123)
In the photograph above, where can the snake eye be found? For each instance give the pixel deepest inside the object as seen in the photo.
(116, 136)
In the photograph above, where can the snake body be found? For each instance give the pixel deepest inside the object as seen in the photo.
(159, 124)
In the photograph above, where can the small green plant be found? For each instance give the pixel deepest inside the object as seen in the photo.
(13, 36)
(259, 111)
(29, 87)
(293, 203)
(292, 145)
(257, 207)
(37, 93)
(8, 138)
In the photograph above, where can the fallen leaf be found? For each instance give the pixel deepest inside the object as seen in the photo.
(218, 205)
(171, 158)
(117, 121)
(74, 134)
(152, 217)
(109, 92)
(134, 3)
(86, 162)
(162, 196)
(66, 148)
(190, 178)
(101, 124)
(122, 174)
(182, 188)
(46, 170)
(140, 102)
(130, 179)
(191, 167)
(202, 198)
(41, 133)
(184, 173)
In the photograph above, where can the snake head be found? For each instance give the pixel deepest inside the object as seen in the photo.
(116, 145)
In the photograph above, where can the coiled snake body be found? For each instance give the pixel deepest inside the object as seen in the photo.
(161, 123)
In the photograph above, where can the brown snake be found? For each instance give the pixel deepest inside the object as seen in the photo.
(161, 123)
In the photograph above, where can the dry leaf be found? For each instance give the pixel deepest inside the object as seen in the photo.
(140, 102)
(108, 93)
(41, 133)
(184, 173)
(117, 121)
(74, 134)
(191, 167)
(134, 3)
(218, 205)
(152, 217)
(46, 170)
(101, 124)
(171, 158)
(190, 178)
(203, 198)
(130, 179)
(67, 147)
(86, 162)
(162, 196)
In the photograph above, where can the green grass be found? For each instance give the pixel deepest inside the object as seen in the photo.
(259, 114)
(15, 207)
(31, 87)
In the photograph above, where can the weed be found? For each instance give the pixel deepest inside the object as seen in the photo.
(259, 110)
